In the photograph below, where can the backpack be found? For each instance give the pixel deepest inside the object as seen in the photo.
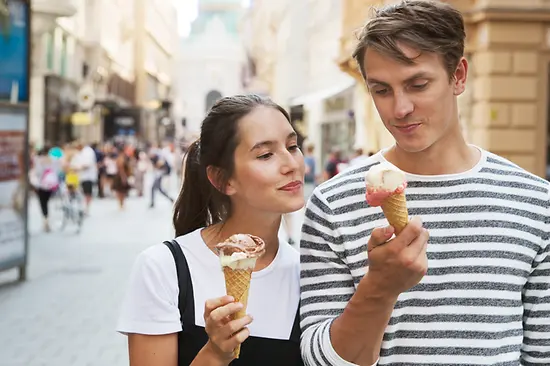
(49, 180)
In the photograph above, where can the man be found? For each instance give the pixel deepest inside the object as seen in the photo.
(476, 293)
(161, 168)
(86, 165)
(333, 165)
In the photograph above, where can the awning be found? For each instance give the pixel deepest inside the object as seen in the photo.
(323, 93)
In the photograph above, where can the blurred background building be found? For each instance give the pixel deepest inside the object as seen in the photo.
(102, 69)
(212, 60)
(105, 69)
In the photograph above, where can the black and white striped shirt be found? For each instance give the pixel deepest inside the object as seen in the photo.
(486, 297)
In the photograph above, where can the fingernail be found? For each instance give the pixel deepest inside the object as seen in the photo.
(239, 305)
(388, 230)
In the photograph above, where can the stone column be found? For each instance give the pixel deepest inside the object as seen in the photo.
(507, 75)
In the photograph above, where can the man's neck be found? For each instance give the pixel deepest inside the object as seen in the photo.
(450, 155)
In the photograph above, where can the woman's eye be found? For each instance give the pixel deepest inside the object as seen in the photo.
(380, 91)
(293, 148)
(265, 156)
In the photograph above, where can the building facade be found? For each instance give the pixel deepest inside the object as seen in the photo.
(212, 61)
(155, 50)
(505, 108)
(294, 45)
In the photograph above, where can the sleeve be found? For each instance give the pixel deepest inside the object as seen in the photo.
(326, 283)
(535, 349)
(151, 303)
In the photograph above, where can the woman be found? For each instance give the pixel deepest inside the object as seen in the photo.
(46, 176)
(244, 172)
(121, 184)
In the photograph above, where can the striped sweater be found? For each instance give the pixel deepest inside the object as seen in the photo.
(486, 297)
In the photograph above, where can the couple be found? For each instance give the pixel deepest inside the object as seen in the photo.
(484, 298)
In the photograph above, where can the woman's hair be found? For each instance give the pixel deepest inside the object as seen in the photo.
(199, 203)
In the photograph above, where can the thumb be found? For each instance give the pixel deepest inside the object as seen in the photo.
(380, 236)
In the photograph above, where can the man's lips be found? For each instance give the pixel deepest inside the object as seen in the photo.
(291, 186)
(407, 128)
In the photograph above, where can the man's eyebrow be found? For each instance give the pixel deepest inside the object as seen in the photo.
(418, 75)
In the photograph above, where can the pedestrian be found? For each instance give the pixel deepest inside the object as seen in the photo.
(467, 282)
(244, 172)
(121, 180)
(161, 169)
(87, 170)
(46, 181)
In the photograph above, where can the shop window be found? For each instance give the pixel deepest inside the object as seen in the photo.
(50, 51)
(64, 51)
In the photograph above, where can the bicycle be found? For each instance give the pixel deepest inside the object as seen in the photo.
(67, 207)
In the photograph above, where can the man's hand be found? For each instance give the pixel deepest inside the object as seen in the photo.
(398, 264)
(395, 266)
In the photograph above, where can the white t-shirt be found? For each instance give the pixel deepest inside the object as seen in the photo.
(151, 303)
(86, 158)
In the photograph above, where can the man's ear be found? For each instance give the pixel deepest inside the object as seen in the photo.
(215, 175)
(461, 74)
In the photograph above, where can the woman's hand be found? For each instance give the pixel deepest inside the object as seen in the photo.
(224, 334)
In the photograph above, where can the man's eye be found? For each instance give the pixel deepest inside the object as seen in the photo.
(419, 86)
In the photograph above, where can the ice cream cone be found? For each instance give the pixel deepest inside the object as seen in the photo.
(237, 285)
(395, 210)
(238, 256)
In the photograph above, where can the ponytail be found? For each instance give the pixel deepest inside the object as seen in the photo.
(191, 210)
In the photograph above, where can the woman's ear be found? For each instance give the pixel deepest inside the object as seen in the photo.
(215, 176)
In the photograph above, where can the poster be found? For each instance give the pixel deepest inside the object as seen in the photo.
(13, 237)
(14, 51)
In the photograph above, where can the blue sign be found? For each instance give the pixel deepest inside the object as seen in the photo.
(14, 51)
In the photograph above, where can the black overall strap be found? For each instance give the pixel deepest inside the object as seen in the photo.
(296, 331)
(186, 303)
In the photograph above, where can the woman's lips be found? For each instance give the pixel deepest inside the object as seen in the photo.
(292, 186)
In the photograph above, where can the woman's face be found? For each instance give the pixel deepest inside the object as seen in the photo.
(269, 166)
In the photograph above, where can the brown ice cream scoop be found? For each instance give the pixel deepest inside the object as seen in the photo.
(251, 245)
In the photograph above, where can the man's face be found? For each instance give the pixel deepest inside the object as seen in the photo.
(417, 103)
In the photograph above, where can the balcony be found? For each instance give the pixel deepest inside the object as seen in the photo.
(45, 12)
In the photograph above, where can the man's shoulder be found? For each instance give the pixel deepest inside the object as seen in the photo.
(501, 169)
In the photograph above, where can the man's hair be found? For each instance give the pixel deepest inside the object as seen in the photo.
(426, 26)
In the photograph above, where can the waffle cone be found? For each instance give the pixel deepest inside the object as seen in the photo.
(395, 210)
(237, 285)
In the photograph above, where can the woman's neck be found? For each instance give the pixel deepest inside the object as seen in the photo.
(262, 227)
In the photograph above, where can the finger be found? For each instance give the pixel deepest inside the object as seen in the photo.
(235, 326)
(419, 245)
(408, 235)
(212, 304)
(235, 340)
(380, 236)
(222, 312)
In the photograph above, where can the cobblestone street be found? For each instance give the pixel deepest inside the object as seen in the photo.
(65, 313)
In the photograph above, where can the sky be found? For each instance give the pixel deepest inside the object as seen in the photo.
(187, 12)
